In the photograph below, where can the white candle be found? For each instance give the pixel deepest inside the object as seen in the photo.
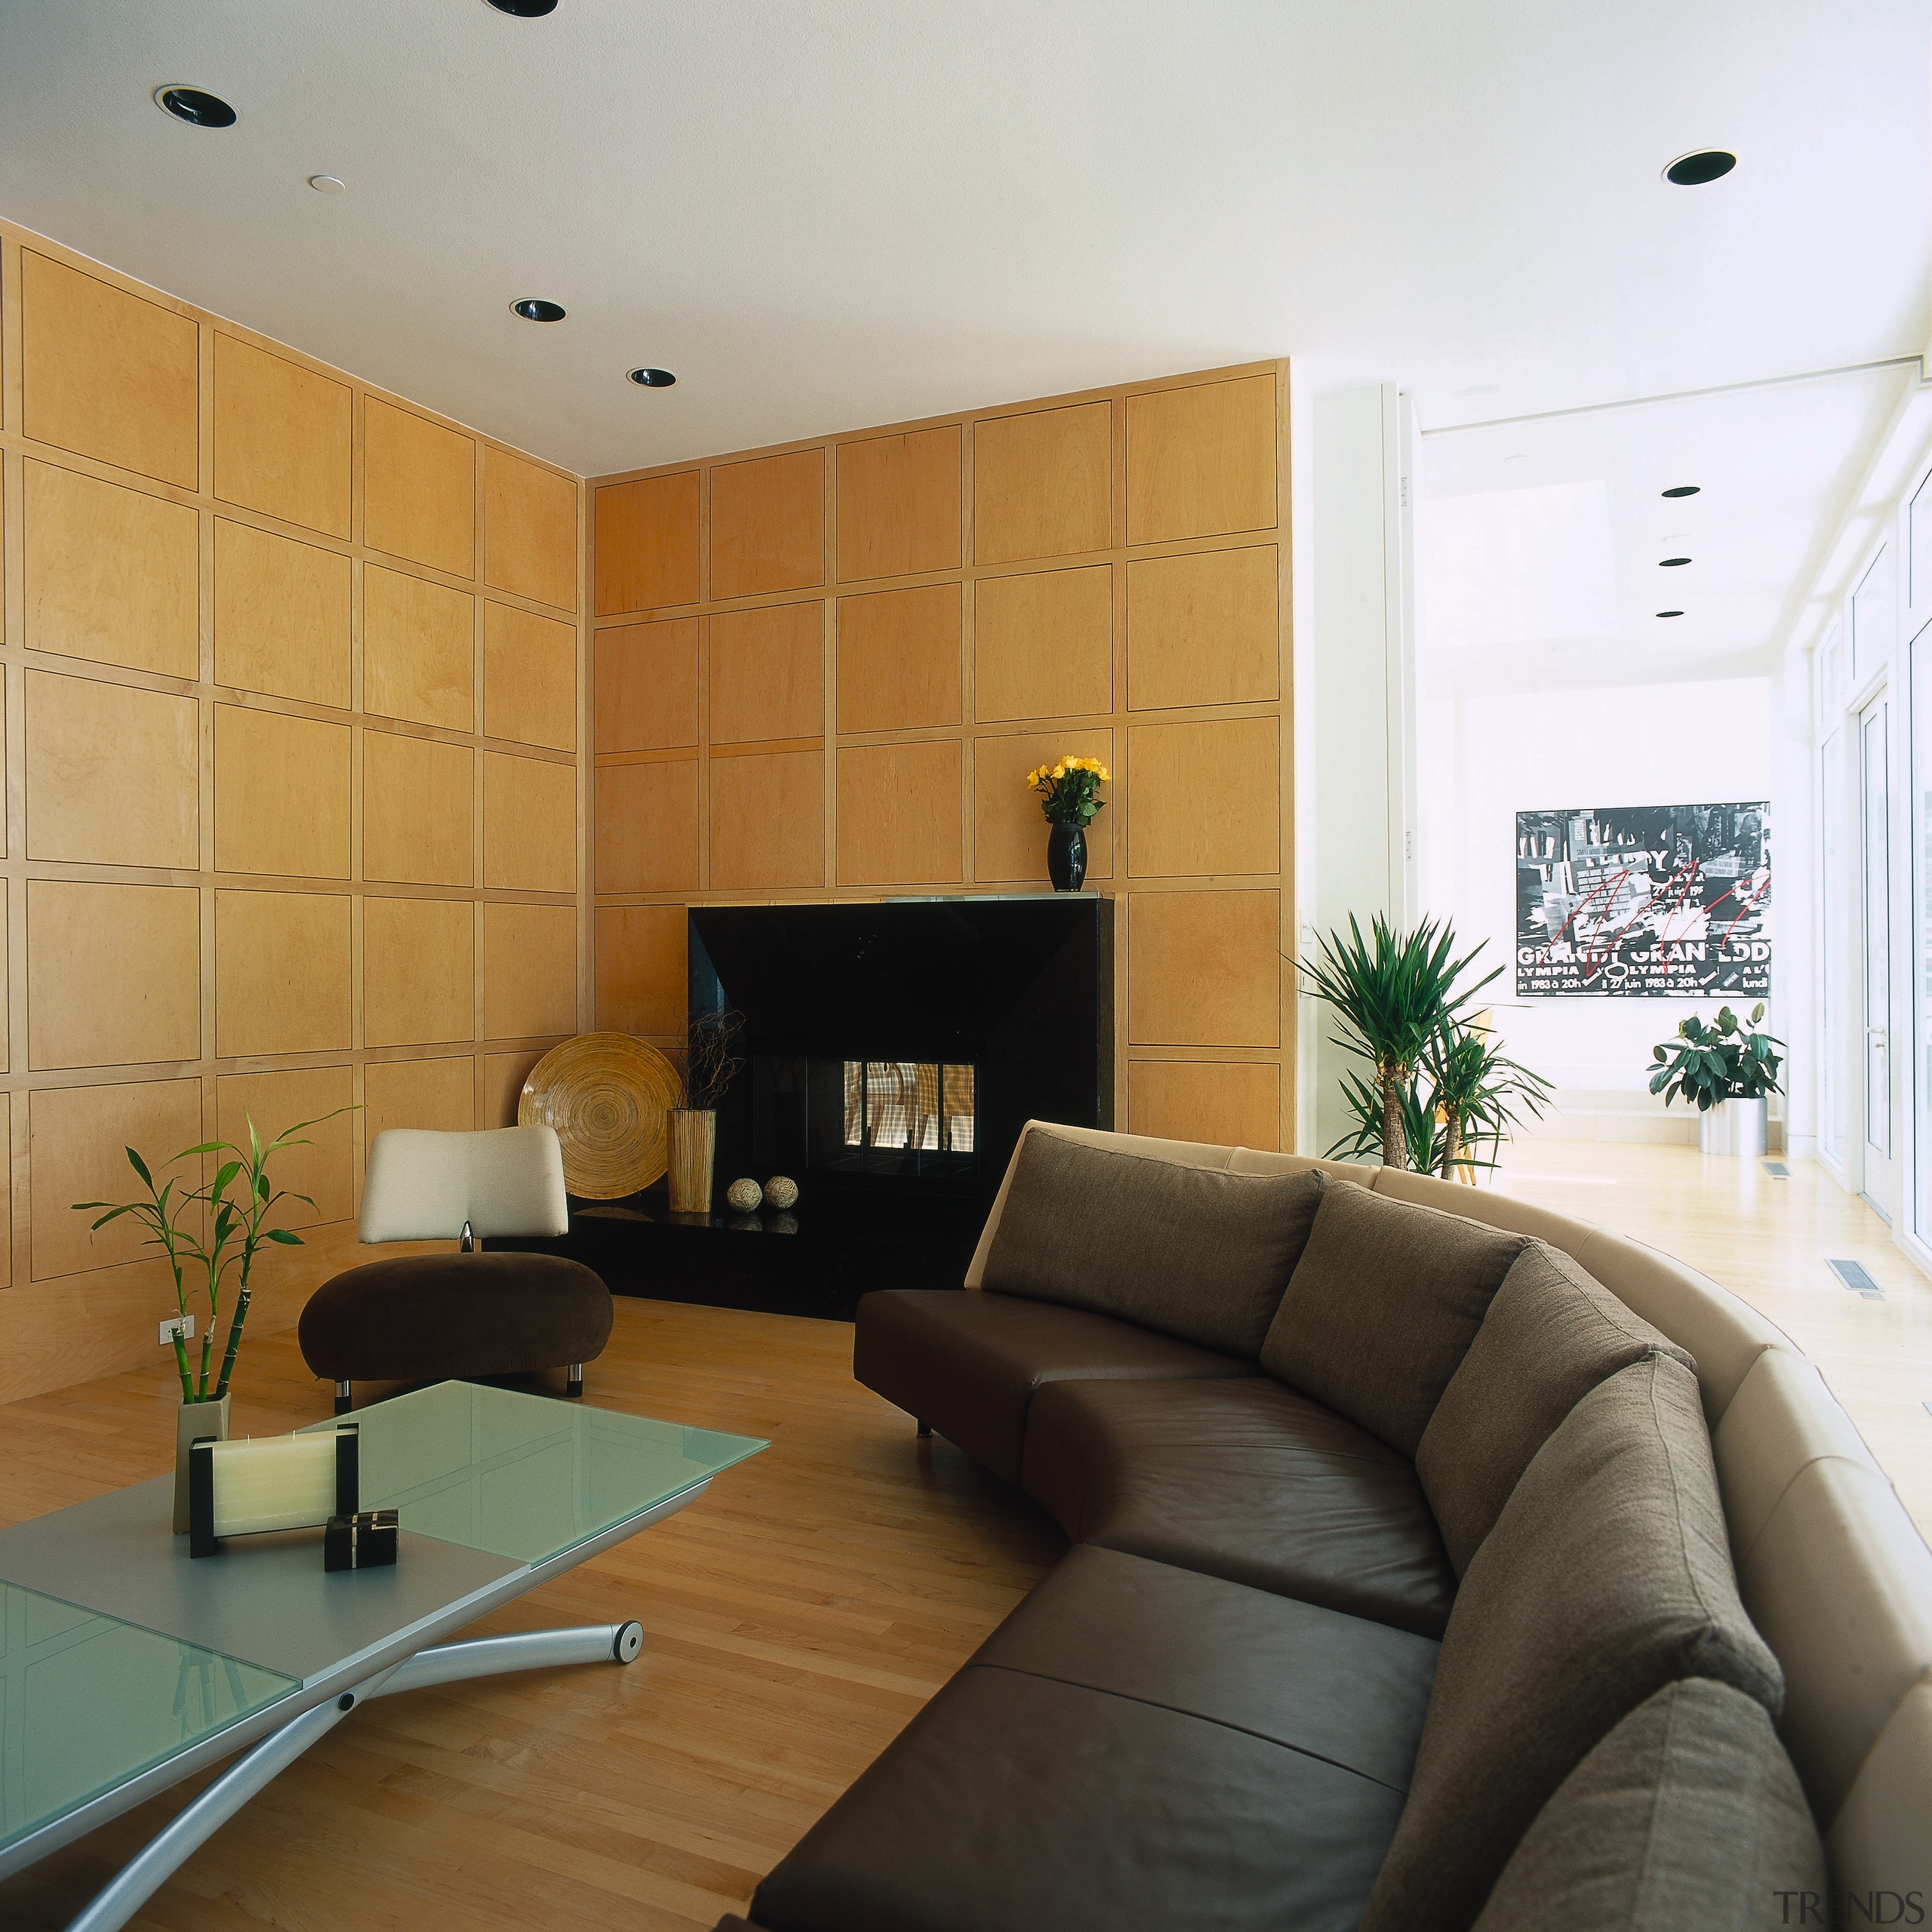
(285, 1482)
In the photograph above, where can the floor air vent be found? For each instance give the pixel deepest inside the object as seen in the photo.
(1777, 1171)
(1854, 1275)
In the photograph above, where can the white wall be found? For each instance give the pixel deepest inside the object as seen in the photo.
(1483, 758)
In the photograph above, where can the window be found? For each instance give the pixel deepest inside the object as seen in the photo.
(1871, 618)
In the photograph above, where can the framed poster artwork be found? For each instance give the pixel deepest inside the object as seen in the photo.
(1644, 901)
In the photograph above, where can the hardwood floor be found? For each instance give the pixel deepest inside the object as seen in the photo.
(799, 1614)
(795, 1616)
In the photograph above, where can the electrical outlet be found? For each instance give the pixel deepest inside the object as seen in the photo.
(183, 1325)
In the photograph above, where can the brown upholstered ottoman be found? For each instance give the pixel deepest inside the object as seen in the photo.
(423, 1318)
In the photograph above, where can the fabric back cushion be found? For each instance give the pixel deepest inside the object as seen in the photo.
(1196, 1253)
(1551, 1335)
(1607, 1576)
(1689, 1813)
(1382, 1306)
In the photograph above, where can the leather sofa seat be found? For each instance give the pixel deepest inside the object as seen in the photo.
(1248, 1480)
(969, 1364)
(1279, 1755)
(419, 1317)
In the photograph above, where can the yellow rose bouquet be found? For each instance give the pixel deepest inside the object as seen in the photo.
(1070, 791)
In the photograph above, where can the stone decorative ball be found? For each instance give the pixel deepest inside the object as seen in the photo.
(744, 1196)
(781, 1191)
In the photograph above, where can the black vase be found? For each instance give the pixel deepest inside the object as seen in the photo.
(1066, 856)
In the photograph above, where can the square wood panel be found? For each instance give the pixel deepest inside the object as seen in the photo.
(768, 821)
(647, 826)
(419, 489)
(1206, 797)
(767, 524)
(282, 437)
(107, 374)
(1204, 629)
(281, 973)
(502, 1079)
(1043, 483)
(647, 543)
(419, 971)
(899, 504)
(282, 616)
(282, 795)
(1225, 1103)
(529, 971)
(645, 694)
(529, 529)
(324, 1167)
(439, 1095)
(75, 1138)
(113, 974)
(900, 813)
(899, 658)
(1009, 829)
(112, 773)
(529, 677)
(419, 811)
(1204, 969)
(641, 957)
(529, 824)
(110, 574)
(767, 674)
(419, 650)
(1200, 460)
(1043, 644)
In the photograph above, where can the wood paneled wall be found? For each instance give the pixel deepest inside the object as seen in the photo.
(294, 694)
(823, 671)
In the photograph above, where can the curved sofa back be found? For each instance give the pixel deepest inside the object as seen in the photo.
(1831, 1567)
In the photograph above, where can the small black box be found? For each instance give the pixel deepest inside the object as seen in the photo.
(363, 1541)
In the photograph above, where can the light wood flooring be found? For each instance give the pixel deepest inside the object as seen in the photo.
(799, 1614)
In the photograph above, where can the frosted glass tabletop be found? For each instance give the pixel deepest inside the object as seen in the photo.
(526, 1477)
(88, 1701)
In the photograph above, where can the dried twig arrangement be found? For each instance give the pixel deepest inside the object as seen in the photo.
(710, 1064)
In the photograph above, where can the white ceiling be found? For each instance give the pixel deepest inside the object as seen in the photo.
(854, 211)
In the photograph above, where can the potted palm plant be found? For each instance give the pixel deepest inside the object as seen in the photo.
(210, 1235)
(1727, 1070)
(1393, 996)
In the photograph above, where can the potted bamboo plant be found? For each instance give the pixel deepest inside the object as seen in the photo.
(1727, 1070)
(210, 1235)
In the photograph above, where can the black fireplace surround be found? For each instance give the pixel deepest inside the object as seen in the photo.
(893, 1051)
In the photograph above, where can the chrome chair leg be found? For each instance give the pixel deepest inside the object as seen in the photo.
(342, 1399)
(574, 1386)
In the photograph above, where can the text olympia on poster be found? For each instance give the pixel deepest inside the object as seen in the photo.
(1644, 899)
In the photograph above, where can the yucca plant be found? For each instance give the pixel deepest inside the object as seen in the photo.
(1476, 1088)
(1391, 994)
(211, 1232)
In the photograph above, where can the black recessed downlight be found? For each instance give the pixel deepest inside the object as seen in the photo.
(1670, 613)
(653, 379)
(1672, 563)
(525, 10)
(1683, 490)
(1694, 170)
(199, 110)
(533, 310)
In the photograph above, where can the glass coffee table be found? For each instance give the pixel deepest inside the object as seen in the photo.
(126, 1665)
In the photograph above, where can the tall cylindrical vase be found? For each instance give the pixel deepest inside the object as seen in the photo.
(693, 1133)
(193, 1421)
(1066, 856)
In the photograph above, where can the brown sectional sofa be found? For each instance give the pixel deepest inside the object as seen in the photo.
(1429, 1570)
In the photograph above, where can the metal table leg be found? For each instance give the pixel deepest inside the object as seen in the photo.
(197, 1821)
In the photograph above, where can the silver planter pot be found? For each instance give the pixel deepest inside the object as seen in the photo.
(1735, 1127)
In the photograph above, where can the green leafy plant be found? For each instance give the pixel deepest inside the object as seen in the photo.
(1729, 1060)
(1070, 791)
(212, 1233)
(1392, 994)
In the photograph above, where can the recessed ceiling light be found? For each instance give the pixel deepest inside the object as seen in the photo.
(1701, 165)
(1683, 490)
(1671, 563)
(525, 10)
(533, 309)
(653, 379)
(326, 184)
(1670, 613)
(196, 107)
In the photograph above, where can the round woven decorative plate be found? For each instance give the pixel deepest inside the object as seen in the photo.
(606, 1095)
